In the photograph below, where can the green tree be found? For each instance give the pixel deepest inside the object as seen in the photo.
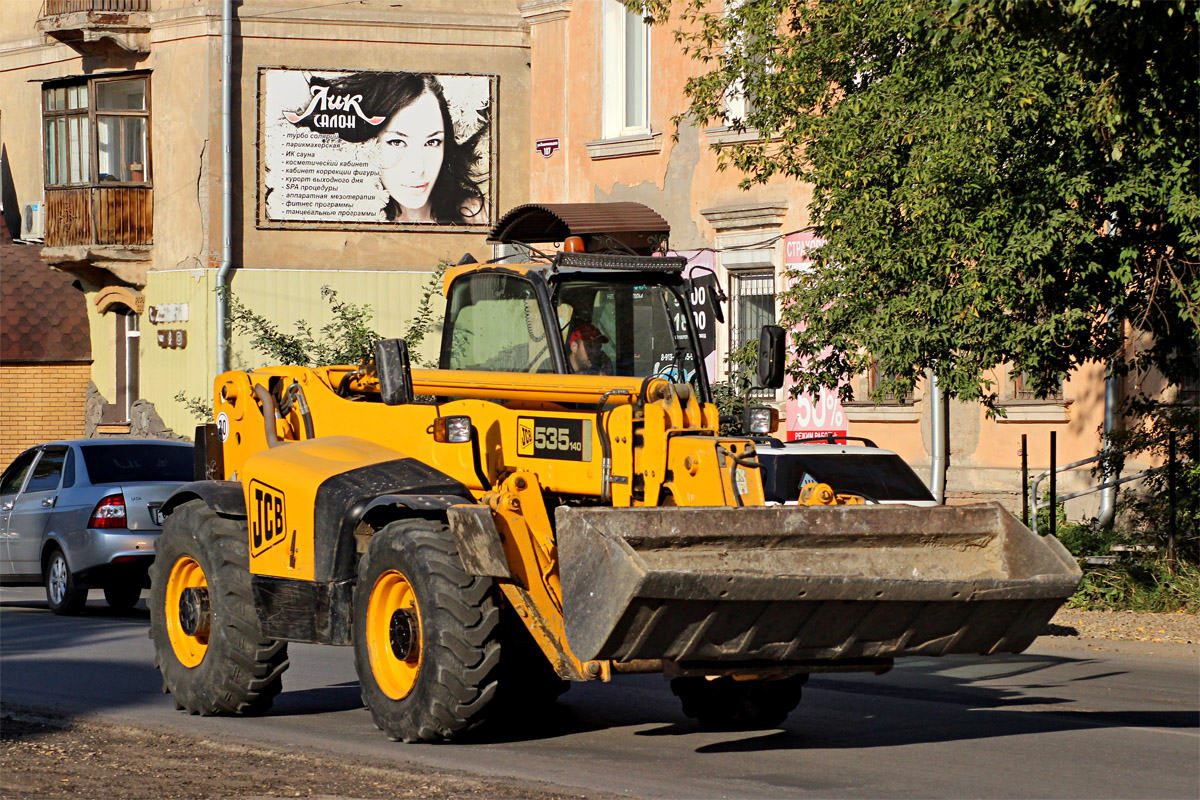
(995, 180)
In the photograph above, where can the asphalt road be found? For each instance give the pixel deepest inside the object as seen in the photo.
(1047, 723)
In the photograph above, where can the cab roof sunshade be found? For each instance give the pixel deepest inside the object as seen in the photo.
(631, 225)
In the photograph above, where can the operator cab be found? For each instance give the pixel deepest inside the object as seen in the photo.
(624, 315)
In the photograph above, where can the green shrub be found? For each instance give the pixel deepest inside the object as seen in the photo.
(1085, 539)
(730, 396)
(1148, 586)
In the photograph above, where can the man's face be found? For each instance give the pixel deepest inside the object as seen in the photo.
(584, 353)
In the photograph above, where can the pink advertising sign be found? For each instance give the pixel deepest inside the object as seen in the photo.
(808, 417)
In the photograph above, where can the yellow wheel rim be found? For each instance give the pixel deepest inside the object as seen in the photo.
(186, 574)
(394, 635)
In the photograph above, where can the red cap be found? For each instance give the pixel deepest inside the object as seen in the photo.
(588, 333)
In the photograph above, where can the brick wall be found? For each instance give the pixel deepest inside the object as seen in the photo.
(39, 403)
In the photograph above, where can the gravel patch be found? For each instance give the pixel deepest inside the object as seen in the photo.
(1129, 626)
(42, 757)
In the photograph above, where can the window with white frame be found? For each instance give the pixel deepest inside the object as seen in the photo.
(738, 103)
(626, 104)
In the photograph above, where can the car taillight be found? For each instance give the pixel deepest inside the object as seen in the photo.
(109, 513)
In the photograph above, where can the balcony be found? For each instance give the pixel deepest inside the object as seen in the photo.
(91, 230)
(100, 28)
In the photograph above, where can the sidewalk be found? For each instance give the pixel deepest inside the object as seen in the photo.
(1165, 635)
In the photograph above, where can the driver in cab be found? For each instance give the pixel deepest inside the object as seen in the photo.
(585, 355)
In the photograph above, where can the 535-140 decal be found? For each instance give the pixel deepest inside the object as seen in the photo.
(554, 437)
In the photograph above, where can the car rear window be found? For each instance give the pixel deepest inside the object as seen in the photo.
(875, 476)
(135, 463)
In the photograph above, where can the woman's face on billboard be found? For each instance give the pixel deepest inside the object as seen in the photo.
(410, 149)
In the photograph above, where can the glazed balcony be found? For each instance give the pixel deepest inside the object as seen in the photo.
(98, 27)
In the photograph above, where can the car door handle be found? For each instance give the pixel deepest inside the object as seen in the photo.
(7, 506)
(49, 502)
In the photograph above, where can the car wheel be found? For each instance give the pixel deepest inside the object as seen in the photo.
(207, 644)
(731, 705)
(426, 635)
(64, 595)
(122, 596)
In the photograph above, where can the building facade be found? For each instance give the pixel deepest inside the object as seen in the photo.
(606, 89)
(111, 126)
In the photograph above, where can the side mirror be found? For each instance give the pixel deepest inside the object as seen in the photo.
(770, 356)
(707, 286)
(395, 375)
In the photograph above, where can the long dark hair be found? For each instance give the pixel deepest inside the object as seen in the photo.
(455, 194)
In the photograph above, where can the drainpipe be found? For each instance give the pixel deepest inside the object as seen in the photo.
(1108, 495)
(939, 439)
(226, 186)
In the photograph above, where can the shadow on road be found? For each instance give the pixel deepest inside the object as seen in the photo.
(56, 663)
(328, 699)
(878, 712)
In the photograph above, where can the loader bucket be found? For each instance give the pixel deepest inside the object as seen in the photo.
(782, 584)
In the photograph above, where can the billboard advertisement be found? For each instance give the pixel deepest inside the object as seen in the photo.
(374, 149)
(809, 416)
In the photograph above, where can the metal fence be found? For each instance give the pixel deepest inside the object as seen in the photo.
(1030, 488)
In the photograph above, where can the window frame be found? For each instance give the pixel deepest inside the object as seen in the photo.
(871, 383)
(1018, 394)
(92, 113)
(739, 333)
(541, 296)
(615, 71)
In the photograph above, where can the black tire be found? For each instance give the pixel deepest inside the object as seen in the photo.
(726, 704)
(65, 596)
(441, 688)
(122, 596)
(239, 671)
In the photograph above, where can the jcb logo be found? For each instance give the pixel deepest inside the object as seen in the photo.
(268, 525)
(525, 437)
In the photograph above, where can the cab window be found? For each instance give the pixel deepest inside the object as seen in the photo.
(494, 324)
(643, 326)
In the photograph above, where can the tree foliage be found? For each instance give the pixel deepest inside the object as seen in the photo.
(994, 180)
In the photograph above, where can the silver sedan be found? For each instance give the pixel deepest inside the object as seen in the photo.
(85, 513)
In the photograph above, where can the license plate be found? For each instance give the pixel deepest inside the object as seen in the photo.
(156, 514)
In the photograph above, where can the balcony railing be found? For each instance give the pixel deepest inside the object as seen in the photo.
(53, 8)
(93, 27)
(93, 215)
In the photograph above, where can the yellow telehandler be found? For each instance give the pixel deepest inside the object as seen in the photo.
(554, 503)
